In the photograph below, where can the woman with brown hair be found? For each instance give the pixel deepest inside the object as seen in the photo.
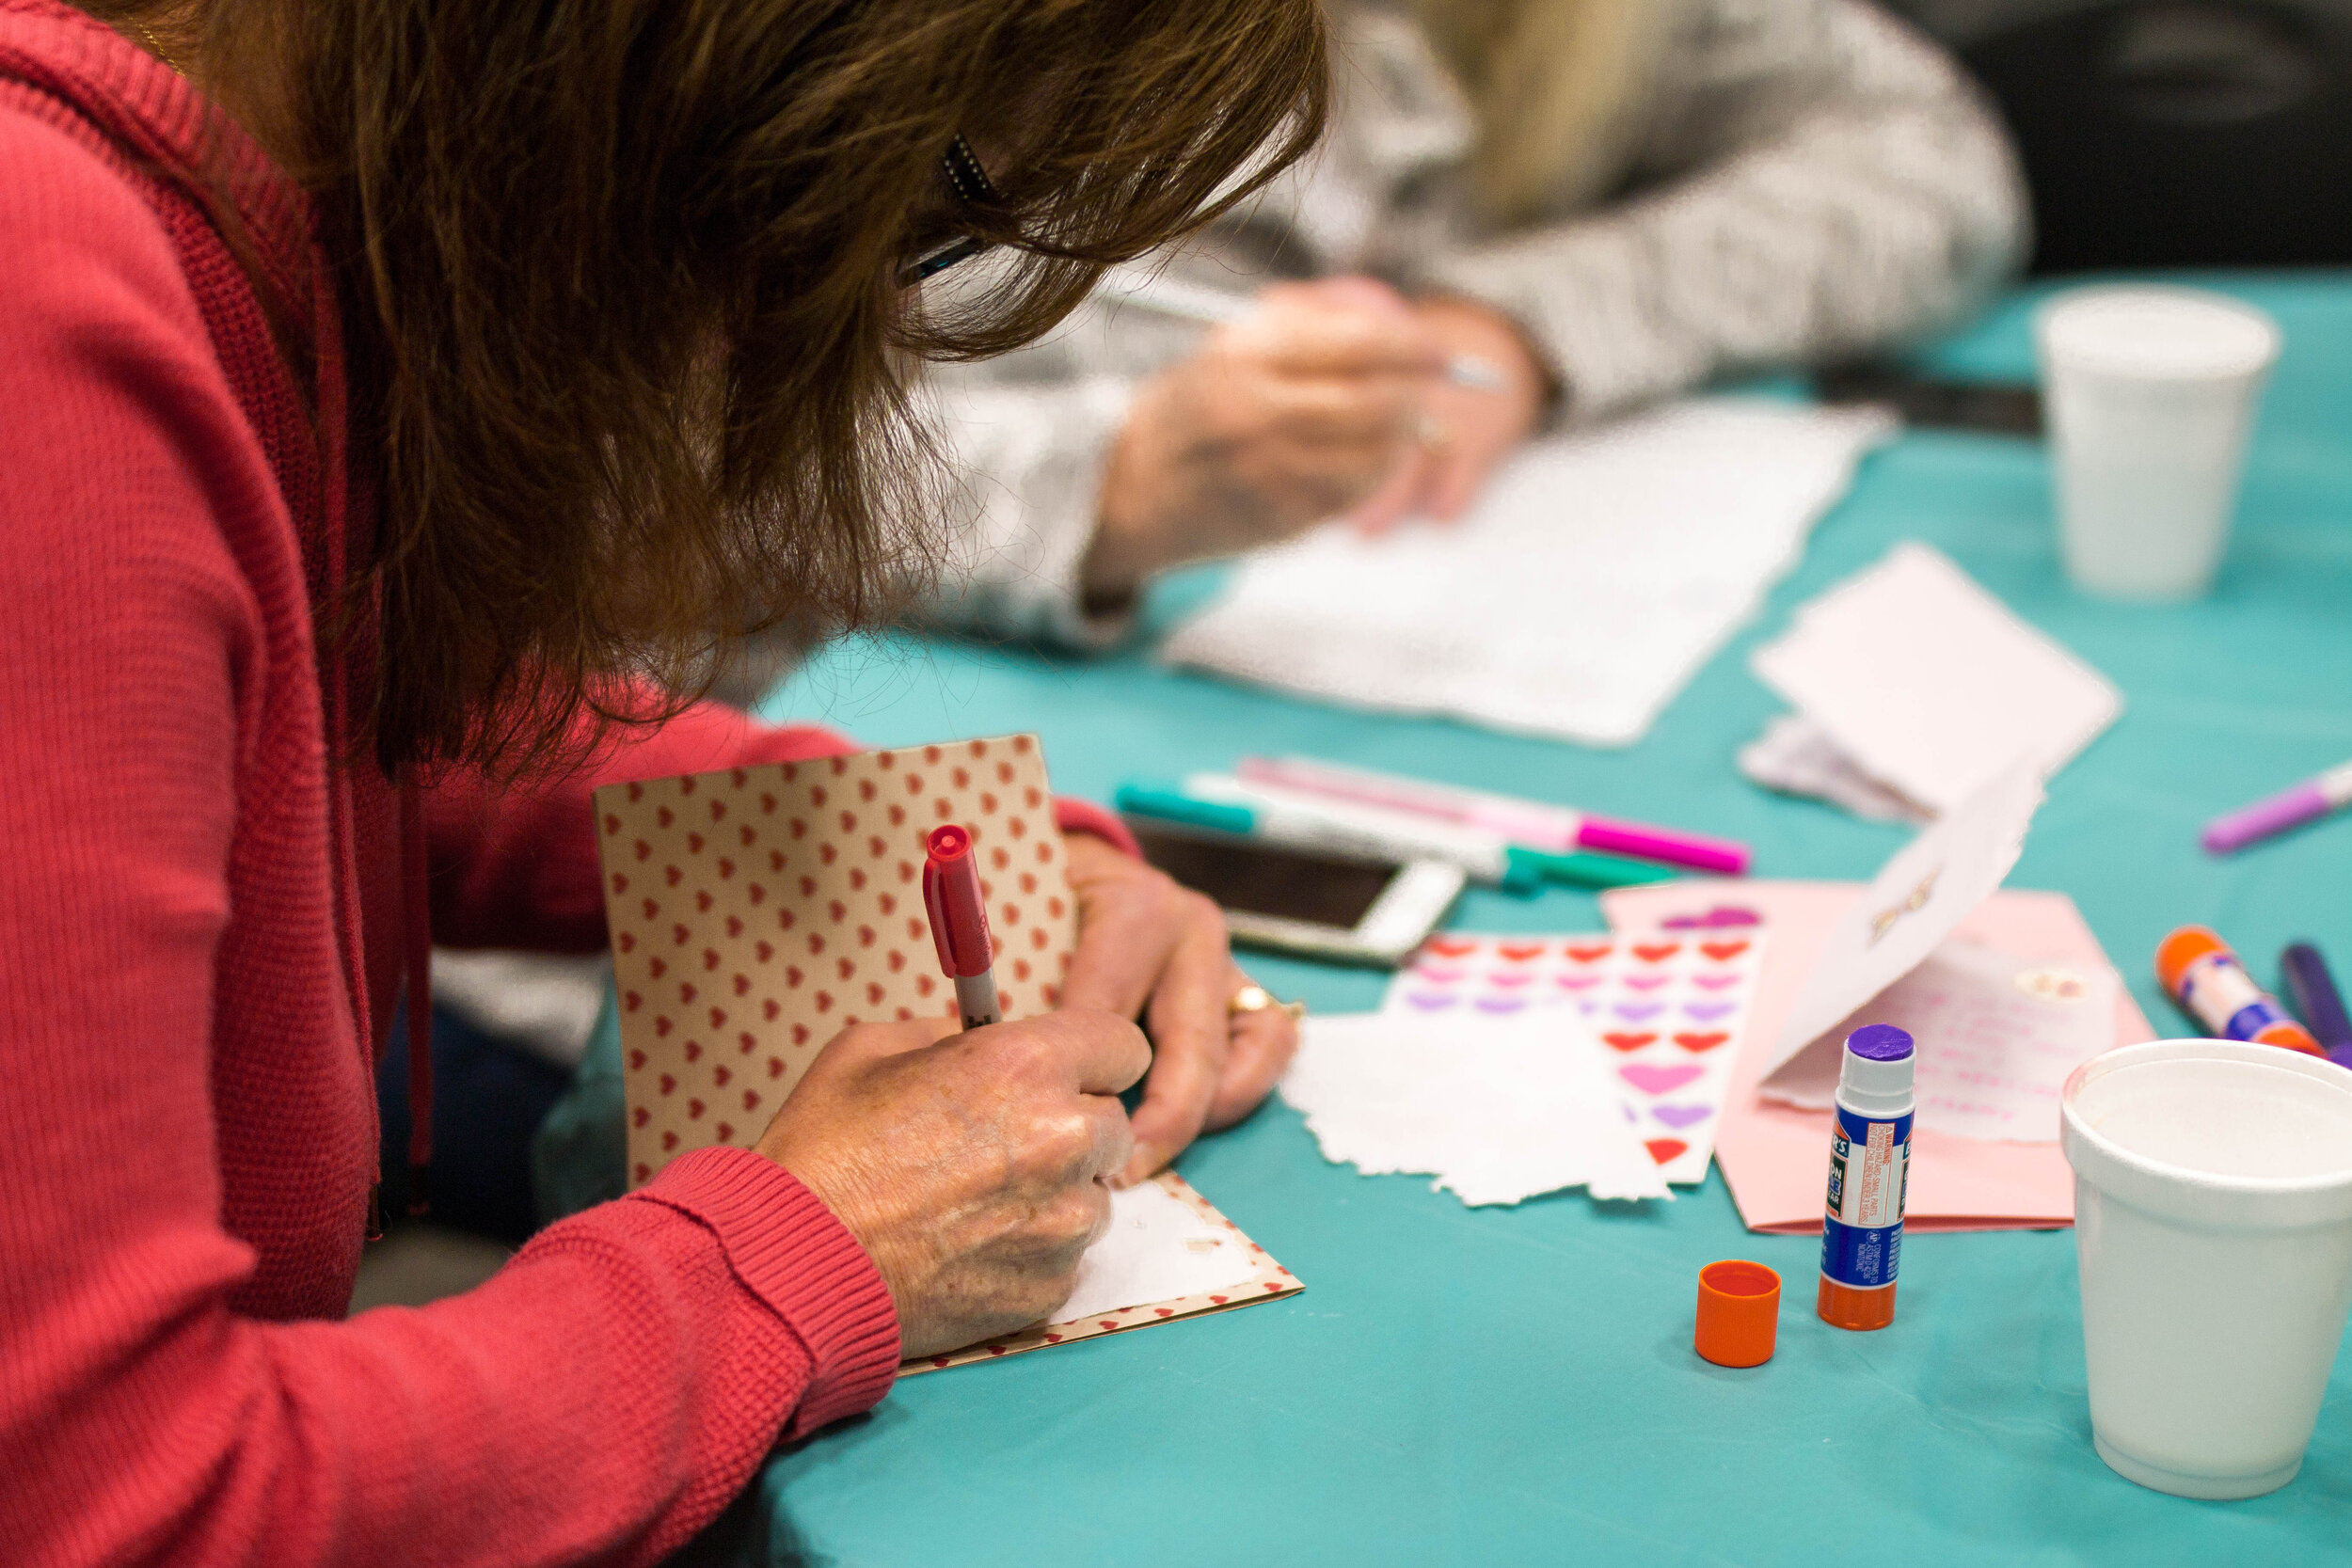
(391, 388)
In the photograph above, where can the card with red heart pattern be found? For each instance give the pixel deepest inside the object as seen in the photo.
(756, 911)
(1669, 1008)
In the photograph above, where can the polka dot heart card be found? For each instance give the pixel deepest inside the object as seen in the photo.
(756, 911)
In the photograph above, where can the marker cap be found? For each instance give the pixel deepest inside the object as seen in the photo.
(951, 897)
(1738, 1313)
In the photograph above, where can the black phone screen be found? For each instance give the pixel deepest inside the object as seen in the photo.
(1262, 878)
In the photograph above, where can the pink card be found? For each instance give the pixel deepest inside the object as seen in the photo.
(1775, 1157)
(1669, 1012)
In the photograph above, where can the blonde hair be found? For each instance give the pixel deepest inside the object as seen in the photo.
(1550, 83)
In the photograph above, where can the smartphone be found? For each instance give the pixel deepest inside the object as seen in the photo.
(1310, 902)
(1934, 402)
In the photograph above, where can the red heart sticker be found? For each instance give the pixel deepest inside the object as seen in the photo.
(1451, 947)
(1655, 952)
(1722, 952)
(1664, 1150)
(1628, 1042)
(1697, 1043)
(1592, 955)
(1520, 953)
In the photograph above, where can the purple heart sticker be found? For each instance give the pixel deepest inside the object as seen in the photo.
(1636, 1011)
(1501, 1004)
(1679, 1117)
(1431, 1001)
(1707, 1011)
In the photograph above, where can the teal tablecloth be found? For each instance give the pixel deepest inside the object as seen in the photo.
(1461, 1387)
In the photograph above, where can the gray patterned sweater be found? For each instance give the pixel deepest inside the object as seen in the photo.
(1804, 178)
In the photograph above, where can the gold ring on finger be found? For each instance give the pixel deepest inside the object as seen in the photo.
(1257, 999)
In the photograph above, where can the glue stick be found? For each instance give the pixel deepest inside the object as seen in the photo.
(2198, 971)
(1870, 1169)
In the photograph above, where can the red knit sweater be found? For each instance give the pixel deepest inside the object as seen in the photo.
(200, 943)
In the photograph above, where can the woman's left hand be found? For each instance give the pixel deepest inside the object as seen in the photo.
(1148, 947)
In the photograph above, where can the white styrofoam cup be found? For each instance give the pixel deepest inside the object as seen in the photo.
(2151, 395)
(2213, 1221)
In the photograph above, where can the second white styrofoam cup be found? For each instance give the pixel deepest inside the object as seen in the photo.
(2151, 395)
(2213, 1221)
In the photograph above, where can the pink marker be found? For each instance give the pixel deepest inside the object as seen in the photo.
(2265, 818)
(1528, 823)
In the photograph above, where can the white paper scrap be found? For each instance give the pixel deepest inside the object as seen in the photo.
(1928, 887)
(1497, 1110)
(1593, 577)
(1158, 1248)
(1928, 685)
(1796, 756)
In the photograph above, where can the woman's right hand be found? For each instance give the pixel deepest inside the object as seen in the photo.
(1296, 412)
(972, 1166)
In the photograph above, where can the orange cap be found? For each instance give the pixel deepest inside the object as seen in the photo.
(1738, 1313)
(2183, 947)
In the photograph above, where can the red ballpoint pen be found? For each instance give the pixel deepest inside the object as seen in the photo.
(951, 896)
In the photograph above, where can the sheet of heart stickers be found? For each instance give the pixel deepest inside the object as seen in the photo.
(1668, 1010)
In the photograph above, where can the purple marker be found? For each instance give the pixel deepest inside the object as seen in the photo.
(2307, 800)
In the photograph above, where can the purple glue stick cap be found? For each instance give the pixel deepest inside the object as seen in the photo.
(1879, 1042)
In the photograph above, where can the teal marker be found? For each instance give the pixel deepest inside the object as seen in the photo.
(1227, 805)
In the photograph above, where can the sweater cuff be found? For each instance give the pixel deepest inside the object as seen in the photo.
(1085, 817)
(791, 1252)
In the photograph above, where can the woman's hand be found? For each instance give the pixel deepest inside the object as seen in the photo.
(1146, 946)
(971, 1166)
(1465, 432)
(1293, 415)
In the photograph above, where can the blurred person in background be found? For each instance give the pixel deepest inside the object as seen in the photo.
(1608, 201)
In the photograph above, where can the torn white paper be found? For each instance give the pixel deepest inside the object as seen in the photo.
(1594, 577)
(1928, 684)
(1496, 1110)
(1796, 756)
(1912, 904)
(1157, 1248)
(1998, 1035)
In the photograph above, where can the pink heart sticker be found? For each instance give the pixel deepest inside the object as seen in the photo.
(1652, 1079)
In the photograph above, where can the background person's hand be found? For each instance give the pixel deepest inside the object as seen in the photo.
(973, 1166)
(1149, 947)
(1464, 431)
(1293, 415)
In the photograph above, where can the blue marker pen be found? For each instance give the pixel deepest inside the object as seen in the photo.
(1869, 1169)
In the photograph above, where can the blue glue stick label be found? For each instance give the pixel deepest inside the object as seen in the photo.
(1869, 1175)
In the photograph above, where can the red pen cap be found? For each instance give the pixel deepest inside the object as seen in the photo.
(951, 896)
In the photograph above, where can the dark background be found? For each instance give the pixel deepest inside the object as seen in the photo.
(2169, 133)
